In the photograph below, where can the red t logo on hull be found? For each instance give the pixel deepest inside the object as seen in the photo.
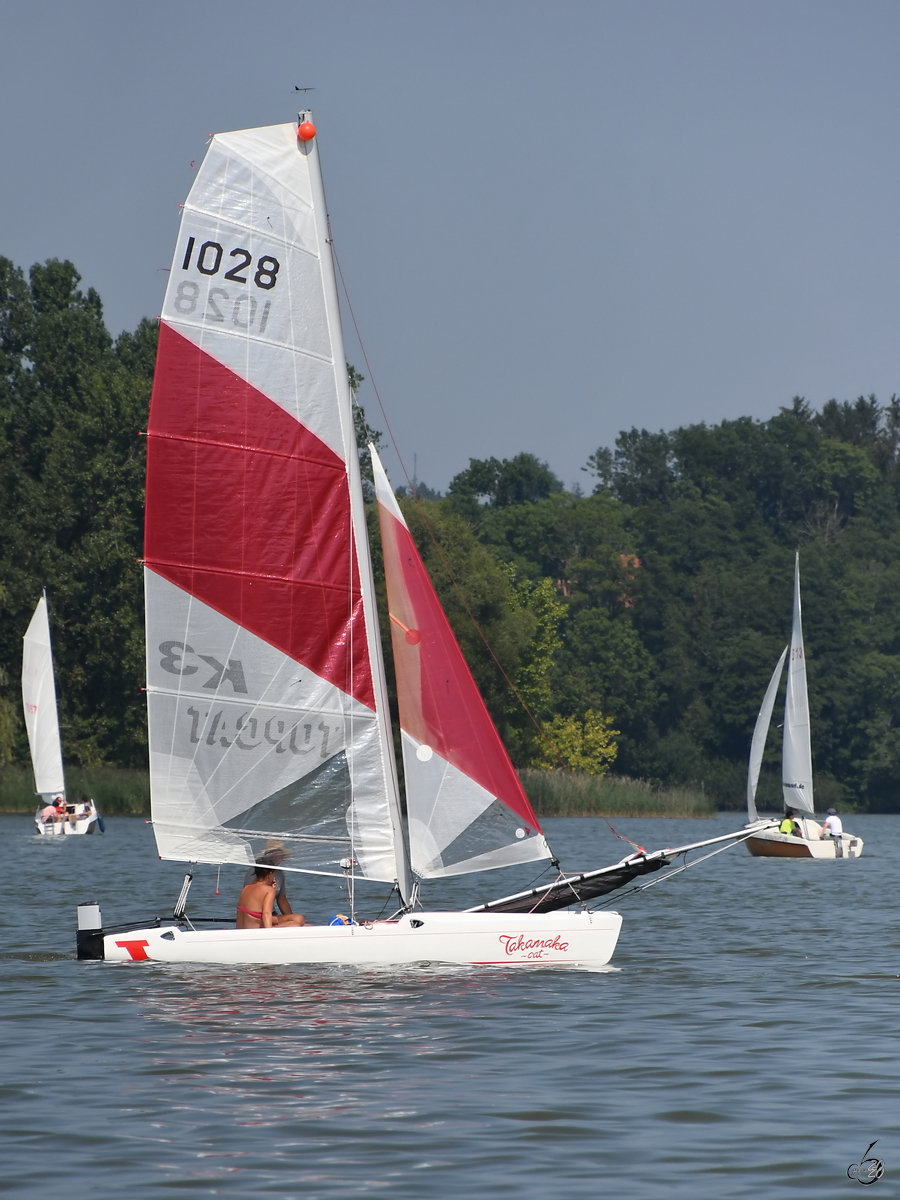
(136, 950)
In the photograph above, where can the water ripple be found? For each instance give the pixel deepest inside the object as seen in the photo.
(734, 1051)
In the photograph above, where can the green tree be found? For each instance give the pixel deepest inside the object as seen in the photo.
(587, 745)
(715, 514)
(365, 433)
(523, 479)
(73, 406)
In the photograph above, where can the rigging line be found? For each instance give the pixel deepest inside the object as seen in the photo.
(641, 887)
(512, 687)
(561, 878)
(540, 875)
(385, 905)
(684, 867)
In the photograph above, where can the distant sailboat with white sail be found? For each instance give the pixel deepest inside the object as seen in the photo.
(54, 816)
(807, 840)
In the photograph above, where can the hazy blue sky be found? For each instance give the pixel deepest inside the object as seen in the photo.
(555, 220)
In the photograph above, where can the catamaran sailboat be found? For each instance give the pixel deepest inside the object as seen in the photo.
(54, 817)
(268, 711)
(797, 783)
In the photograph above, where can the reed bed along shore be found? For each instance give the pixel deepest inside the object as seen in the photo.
(119, 791)
(115, 790)
(575, 794)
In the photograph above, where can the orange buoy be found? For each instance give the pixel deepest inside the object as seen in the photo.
(413, 637)
(306, 132)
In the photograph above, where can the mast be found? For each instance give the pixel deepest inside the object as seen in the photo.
(796, 774)
(358, 510)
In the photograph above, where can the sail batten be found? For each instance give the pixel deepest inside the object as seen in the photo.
(267, 713)
(797, 780)
(466, 806)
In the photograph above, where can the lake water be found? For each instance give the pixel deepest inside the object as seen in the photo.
(744, 1045)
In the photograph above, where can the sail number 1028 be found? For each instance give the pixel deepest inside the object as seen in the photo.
(209, 262)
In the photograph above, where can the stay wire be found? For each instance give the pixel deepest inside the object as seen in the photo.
(642, 887)
(512, 687)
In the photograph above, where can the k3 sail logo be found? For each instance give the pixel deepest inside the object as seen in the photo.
(174, 661)
(867, 1170)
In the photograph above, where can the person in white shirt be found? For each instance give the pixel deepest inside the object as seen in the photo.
(834, 829)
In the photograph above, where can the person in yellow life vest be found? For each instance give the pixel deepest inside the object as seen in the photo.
(789, 825)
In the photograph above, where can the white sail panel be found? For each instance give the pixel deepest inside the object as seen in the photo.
(275, 333)
(760, 734)
(246, 744)
(797, 780)
(455, 825)
(268, 712)
(39, 701)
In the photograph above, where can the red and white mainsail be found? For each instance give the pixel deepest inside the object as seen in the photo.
(265, 684)
(466, 807)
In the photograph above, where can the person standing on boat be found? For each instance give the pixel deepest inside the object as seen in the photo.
(273, 855)
(254, 908)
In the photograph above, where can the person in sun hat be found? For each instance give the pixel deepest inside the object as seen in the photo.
(274, 853)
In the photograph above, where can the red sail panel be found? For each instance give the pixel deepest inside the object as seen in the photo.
(249, 512)
(439, 702)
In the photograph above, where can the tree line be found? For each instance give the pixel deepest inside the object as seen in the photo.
(636, 625)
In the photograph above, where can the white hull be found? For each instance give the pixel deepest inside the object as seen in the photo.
(67, 828)
(562, 939)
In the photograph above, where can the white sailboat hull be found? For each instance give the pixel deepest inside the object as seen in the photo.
(66, 828)
(772, 844)
(561, 939)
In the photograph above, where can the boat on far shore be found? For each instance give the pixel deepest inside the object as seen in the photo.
(55, 816)
(809, 839)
